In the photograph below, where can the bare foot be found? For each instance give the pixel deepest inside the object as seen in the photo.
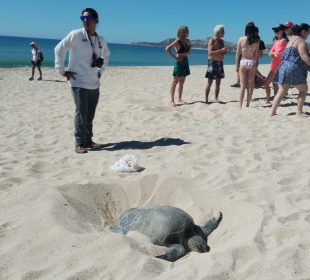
(302, 115)
(180, 102)
(267, 104)
(173, 104)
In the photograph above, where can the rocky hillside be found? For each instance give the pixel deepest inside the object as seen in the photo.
(199, 43)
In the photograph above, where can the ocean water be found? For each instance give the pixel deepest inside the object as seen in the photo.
(16, 52)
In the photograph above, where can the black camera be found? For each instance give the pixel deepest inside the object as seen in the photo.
(97, 62)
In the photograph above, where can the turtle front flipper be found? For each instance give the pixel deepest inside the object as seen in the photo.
(174, 252)
(212, 224)
(116, 229)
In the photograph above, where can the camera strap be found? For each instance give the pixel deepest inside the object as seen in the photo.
(93, 45)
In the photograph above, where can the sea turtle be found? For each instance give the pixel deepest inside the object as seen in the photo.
(171, 227)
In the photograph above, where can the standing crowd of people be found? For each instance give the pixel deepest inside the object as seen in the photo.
(89, 57)
(289, 66)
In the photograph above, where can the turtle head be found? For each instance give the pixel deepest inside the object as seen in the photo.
(197, 244)
(211, 224)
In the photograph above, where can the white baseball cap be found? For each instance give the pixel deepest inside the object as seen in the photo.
(32, 43)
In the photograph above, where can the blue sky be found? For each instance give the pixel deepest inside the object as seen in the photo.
(126, 21)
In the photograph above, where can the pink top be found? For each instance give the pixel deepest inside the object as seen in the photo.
(277, 50)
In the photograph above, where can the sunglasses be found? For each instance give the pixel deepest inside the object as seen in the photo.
(88, 18)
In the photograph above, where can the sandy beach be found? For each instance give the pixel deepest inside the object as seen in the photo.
(56, 206)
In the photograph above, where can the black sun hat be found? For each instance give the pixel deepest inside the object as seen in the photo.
(278, 28)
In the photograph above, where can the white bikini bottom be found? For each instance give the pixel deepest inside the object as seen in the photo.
(247, 63)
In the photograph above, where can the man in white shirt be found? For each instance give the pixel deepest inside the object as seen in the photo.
(35, 61)
(88, 58)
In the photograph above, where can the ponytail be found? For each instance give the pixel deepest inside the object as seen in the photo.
(297, 29)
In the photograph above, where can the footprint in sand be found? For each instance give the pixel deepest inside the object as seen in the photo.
(300, 201)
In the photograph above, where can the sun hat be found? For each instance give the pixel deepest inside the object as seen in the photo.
(288, 24)
(279, 27)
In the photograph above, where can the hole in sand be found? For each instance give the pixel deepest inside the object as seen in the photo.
(89, 207)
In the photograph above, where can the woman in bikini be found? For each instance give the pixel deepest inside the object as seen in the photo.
(182, 47)
(293, 70)
(276, 55)
(246, 63)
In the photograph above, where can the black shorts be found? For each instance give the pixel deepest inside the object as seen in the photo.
(36, 63)
(215, 70)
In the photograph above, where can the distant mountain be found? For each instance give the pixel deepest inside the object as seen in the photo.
(197, 44)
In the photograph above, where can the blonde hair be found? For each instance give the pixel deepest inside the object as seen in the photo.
(217, 28)
(182, 32)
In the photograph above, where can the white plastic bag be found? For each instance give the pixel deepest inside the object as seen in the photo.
(127, 163)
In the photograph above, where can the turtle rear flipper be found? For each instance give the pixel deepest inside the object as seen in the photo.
(174, 252)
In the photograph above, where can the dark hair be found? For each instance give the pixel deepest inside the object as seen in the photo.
(284, 36)
(251, 33)
(251, 23)
(92, 12)
(297, 29)
(256, 29)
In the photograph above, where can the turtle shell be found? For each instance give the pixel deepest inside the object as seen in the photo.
(164, 225)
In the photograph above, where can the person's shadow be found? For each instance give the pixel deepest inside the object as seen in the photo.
(294, 114)
(55, 81)
(293, 104)
(142, 145)
(296, 94)
(203, 102)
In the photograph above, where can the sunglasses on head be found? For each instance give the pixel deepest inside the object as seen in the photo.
(88, 18)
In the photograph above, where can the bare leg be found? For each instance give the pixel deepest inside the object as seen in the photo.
(243, 74)
(217, 89)
(172, 90)
(238, 78)
(181, 83)
(32, 73)
(39, 68)
(275, 89)
(268, 81)
(277, 100)
(251, 84)
(303, 89)
(207, 90)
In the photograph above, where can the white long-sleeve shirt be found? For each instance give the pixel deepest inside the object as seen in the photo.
(77, 42)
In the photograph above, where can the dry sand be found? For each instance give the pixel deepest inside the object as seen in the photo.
(56, 206)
